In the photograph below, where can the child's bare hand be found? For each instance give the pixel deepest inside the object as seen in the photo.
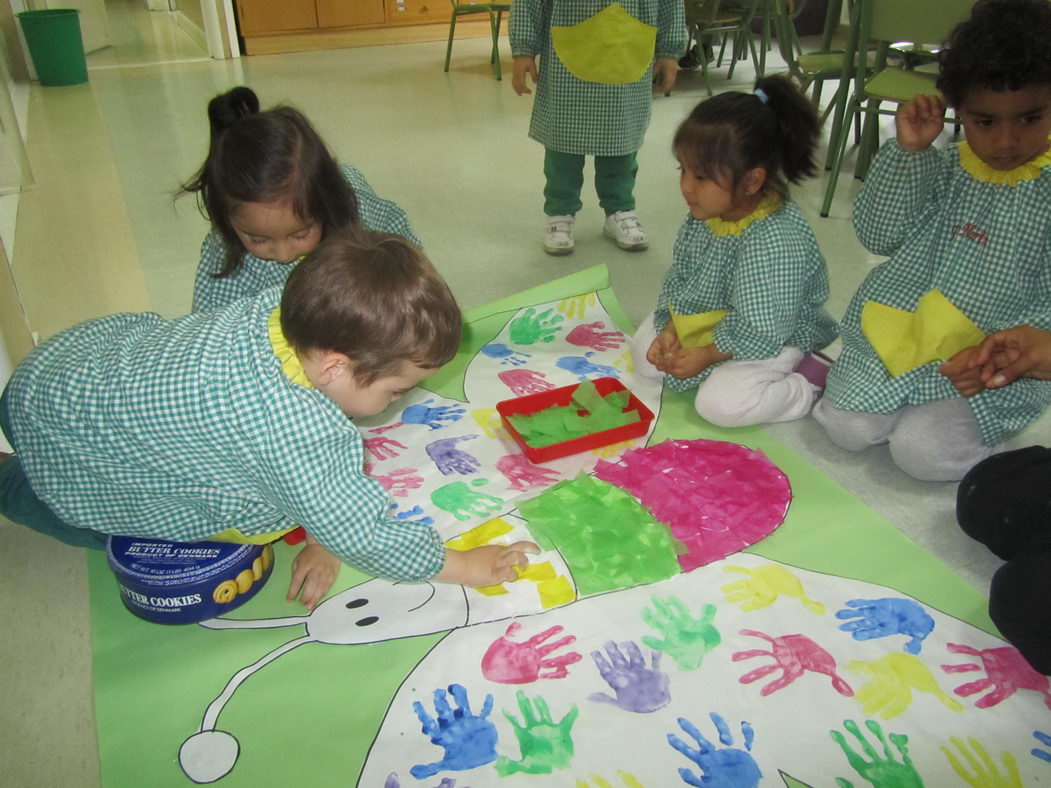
(523, 64)
(488, 565)
(663, 347)
(314, 571)
(665, 71)
(688, 362)
(966, 377)
(1020, 352)
(919, 122)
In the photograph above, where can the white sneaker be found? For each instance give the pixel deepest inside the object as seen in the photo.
(558, 234)
(624, 228)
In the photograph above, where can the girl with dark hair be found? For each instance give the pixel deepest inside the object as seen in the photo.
(272, 190)
(741, 314)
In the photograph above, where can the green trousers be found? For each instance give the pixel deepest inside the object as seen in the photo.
(564, 173)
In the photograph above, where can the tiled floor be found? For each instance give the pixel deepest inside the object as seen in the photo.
(101, 233)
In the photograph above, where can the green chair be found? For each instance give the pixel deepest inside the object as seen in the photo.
(707, 20)
(495, 11)
(885, 22)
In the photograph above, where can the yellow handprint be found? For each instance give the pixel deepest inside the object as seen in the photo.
(576, 306)
(630, 781)
(764, 585)
(489, 421)
(985, 774)
(893, 677)
(625, 361)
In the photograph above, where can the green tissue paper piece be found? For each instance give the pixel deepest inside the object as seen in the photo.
(605, 535)
(588, 413)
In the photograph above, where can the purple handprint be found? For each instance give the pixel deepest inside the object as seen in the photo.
(392, 781)
(524, 381)
(507, 661)
(589, 335)
(383, 448)
(506, 355)
(719, 768)
(639, 688)
(793, 655)
(581, 367)
(1006, 672)
(877, 618)
(468, 740)
(449, 459)
(399, 482)
(522, 474)
(434, 417)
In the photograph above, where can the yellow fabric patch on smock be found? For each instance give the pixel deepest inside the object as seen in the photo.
(904, 340)
(697, 330)
(236, 537)
(611, 48)
(290, 362)
(981, 171)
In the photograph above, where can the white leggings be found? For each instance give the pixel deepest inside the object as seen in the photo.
(740, 393)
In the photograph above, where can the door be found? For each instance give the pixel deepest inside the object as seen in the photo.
(94, 23)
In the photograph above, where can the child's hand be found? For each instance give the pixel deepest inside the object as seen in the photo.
(314, 571)
(488, 565)
(919, 122)
(665, 70)
(663, 347)
(1023, 351)
(965, 376)
(688, 362)
(523, 64)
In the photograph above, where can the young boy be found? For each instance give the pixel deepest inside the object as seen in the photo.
(237, 419)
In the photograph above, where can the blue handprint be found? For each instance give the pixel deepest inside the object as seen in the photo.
(638, 688)
(449, 459)
(581, 367)
(877, 618)
(469, 740)
(416, 513)
(720, 768)
(432, 417)
(1045, 739)
(506, 355)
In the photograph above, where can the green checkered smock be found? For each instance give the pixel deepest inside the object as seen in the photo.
(179, 429)
(256, 275)
(985, 245)
(588, 118)
(770, 276)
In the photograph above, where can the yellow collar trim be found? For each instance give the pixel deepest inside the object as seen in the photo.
(981, 171)
(290, 362)
(766, 206)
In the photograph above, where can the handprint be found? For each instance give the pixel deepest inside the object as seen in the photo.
(793, 655)
(506, 355)
(892, 678)
(877, 618)
(489, 421)
(581, 367)
(524, 381)
(383, 448)
(629, 779)
(719, 768)
(764, 585)
(881, 772)
(522, 474)
(530, 328)
(507, 661)
(449, 459)
(392, 781)
(576, 306)
(463, 503)
(435, 417)
(686, 639)
(415, 513)
(984, 774)
(399, 482)
(591, 336)
(638, 688)
(1007, 671)
(1045, 739)
(468, 740)
(545, 744)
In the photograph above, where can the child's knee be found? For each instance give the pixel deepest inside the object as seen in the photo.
(848, 429)
(721, 406)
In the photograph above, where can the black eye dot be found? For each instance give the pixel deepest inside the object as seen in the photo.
(357, 603)
(367, 621)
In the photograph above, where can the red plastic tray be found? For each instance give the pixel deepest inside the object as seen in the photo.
(561, 397)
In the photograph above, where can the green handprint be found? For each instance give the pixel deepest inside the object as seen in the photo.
(545, 744)
(686, 639)
(880, 772)
(985, 774)
(530, 328)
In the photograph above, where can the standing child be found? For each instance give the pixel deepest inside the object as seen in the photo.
(272, 190)
(968, 231)
(741, 313)
(236, 418)
(593, 97)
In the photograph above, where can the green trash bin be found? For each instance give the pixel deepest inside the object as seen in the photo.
(53, 38)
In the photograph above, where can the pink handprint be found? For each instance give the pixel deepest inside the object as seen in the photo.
(588, 335)
(1006, 672)
(793, 655)
(383, 448)
(399, 482)
(522, 474)
(524, 381)
(507, 661)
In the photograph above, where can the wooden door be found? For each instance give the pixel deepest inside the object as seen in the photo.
(415, 12)
(349, 13)
(272, 16)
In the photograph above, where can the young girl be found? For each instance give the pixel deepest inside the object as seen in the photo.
(272, 190)
(968, 230)
(741, 312)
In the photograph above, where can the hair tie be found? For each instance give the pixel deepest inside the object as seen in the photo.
(760, 94)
